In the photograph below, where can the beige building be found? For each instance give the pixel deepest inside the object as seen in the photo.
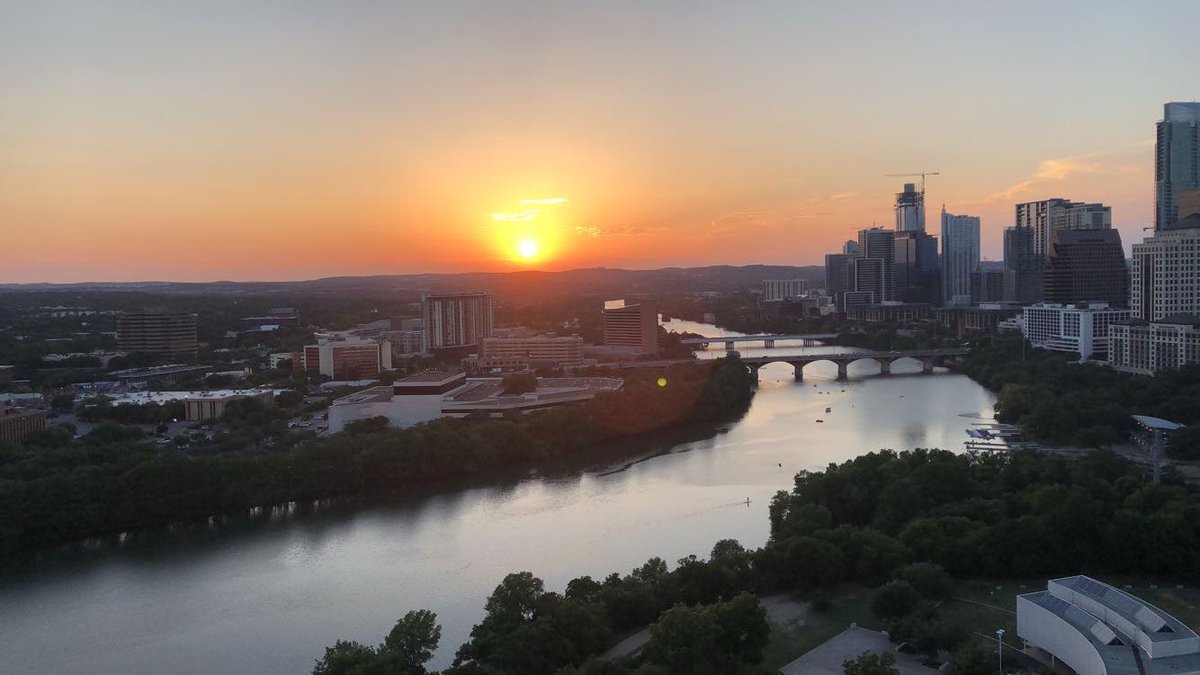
(632, 326)
(1166, 274)
(18, 425)
(211, 405)
(1148, 347)
(172, 333)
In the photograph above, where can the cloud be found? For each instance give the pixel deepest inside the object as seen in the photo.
(841, 195)
(614, 231)
(1108, 163)
(545, 202)
(519, 217)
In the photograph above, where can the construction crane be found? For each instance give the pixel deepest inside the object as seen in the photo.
(922, 174)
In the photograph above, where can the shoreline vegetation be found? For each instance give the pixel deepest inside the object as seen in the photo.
(917, 526)
(112, 483)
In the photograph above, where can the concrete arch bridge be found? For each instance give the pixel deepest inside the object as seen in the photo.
(929, 358)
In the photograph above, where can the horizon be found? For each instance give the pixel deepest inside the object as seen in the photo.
(319, 141)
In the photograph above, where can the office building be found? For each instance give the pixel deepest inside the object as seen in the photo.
(1079, 329)
(1138, 346)
(631, 326)
(910, 209)
(1086, 266)
(1176, 161)
(1045, 217)
(166, 333)
(960, 256)
(18, 425)
(348, 358)
(986, 318)
(868, 280)
(1189, 204)
(837, 275)
(784, 289)
(1024, 282)
(508, 354)
(457, 320)
(915, 273)
(879, 245)
(210, 405)
(1165, 279)
(988, 286)
(1097, 629)
(850, 247)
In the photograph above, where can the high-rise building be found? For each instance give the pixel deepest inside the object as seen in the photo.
(837, 277)
(1023, 267)
(18, 425)
(631, 325)
(910, 209)
(1138, 346)
(915, 273)
(457, 320)
(166, 333)
(867, 276)
(875, 244)
(1176, 161)
(783, 289)
(1086, 266)
(960, 256)
(850, 247)
(1166, 272)
(987, 286)
(1050, 215)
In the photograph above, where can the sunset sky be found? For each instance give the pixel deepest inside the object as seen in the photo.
(290, 140)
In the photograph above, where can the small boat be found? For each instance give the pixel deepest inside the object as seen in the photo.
(820, 421)
(829, 410)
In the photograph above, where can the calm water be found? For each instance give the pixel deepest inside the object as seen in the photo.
(268, 598)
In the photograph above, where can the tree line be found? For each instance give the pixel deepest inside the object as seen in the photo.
(54, 490)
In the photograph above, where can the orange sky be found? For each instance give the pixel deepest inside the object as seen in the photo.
(299, 140)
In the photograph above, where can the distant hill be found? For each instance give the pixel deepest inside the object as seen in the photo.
(531, 284)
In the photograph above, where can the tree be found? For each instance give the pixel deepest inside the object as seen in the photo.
(412, 641)
(519, 383)
(345, 658)
(894, 599)
(930, 580)
(871, 664)
(973, 660)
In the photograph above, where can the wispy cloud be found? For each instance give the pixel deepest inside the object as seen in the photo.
(545, 202)
(614, 231)
(1108, 163)
(519, 217)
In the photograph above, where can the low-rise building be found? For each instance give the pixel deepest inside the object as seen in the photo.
(1097, 629)
(159, 374)
(427, 396)
(1081, 328)
(897, 312)
(347, 358)
(986, 318)
(210, 405)
(784, 289)
(18, 425)
(1146, 347)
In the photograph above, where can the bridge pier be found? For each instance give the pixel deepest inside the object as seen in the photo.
(842, 375)
(768, 343)
(729, 345)
(799, 371)
(926, 365)
(885, 367)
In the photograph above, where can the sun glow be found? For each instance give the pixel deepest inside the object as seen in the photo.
(528, 249)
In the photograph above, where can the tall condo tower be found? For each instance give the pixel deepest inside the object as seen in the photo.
(457, 320)
(960, 256)
(1176, 160)
(910, 209)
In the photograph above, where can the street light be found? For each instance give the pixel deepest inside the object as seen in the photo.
(1000, 647)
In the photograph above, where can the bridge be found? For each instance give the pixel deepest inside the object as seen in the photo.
(767, 340)
(929, 359)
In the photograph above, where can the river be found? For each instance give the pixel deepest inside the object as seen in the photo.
(268, 597)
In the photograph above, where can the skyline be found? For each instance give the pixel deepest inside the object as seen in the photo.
(295, 141)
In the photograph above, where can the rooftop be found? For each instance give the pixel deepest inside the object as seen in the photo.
(429, 377)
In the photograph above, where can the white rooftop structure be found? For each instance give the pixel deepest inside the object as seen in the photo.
(1097, 629)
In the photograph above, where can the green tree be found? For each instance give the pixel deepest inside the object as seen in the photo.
(412, 641)
(894, 599)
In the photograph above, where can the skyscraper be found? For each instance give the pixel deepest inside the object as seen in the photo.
(1022, 267)
(1087, 266)
(1176, 160)
(837, 276)
(1166, 272)
(960, 256)
(879, 245)
(1050, 215)
(910, 209)
(915, 275)
(456, 320)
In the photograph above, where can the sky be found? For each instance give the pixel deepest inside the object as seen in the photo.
(268, 140)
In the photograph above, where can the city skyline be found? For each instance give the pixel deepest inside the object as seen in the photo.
(297, 141)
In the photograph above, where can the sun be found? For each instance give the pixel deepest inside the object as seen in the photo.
(528, 249)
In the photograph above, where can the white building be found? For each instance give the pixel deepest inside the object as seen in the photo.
(784, 289)
(960, 256)
(427, 396)
(1147, 347)
(1081, 329)
(1096, 629)
(1166, 274)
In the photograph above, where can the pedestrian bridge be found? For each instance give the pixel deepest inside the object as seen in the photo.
(767, 340)
(929, 358)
